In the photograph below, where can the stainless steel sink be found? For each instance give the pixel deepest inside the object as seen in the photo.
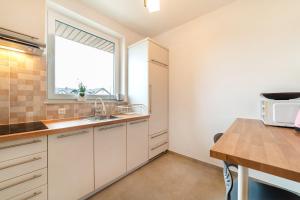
(101, 118)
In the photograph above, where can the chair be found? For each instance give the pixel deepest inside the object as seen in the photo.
(257, 190)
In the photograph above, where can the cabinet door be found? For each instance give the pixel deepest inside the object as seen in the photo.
(158, 54)
(137, 143)
(110, 153)
(158, 98)
(70, 165)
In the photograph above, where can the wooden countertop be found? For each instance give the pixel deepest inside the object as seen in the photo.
(269, 149)
(60, 126)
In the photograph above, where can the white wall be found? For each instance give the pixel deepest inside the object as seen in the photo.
(24, 16)
(221, 62)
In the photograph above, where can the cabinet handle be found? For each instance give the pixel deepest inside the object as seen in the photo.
(21, 163)
(110, 127)
(138, 122)
(32, 195)
(160, 63)
(150, 99)
(155, 136)
(20, 144)
(20, 182)
(72, 134)
(159, 146)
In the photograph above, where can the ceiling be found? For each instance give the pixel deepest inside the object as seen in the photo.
(132, 13)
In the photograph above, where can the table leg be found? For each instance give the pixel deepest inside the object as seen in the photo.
(242, 183)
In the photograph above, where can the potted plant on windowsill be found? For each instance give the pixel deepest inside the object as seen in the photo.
(80, 92)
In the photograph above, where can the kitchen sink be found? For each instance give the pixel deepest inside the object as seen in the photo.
(101, 118)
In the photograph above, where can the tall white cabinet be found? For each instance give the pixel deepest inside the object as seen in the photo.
(148, 72)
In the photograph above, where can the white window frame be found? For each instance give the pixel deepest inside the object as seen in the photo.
(51, 18)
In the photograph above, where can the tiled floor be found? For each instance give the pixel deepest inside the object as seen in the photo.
(170, 177)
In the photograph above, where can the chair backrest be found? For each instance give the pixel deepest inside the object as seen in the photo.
(228, 180)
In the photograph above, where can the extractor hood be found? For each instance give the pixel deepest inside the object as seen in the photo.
(19, 42)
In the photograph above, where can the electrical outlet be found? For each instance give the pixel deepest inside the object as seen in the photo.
(62, 111)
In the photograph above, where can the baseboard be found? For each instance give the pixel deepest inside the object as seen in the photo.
(199, 161)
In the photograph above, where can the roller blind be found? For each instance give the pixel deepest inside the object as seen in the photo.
(77, 35)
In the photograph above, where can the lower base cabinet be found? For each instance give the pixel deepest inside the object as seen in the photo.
(137, 143)
(81, 162)
(35, 194)
(70, 165)
(109, 153)
(21, 184)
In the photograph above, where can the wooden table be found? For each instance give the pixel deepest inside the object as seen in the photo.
(251, 144)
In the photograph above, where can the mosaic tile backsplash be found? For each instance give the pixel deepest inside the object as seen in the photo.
(23, 91)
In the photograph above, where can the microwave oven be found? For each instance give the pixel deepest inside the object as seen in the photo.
(280, 109)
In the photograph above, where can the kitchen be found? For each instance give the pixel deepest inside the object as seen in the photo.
(140, 125)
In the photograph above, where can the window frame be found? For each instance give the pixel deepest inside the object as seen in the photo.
(51, 18)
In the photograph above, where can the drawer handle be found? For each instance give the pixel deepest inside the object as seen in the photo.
(20, 144)
(138, 122)
(110, 127)
(20, 182)
(160, 63)
(32, 195)
(72, 134)
(155, 136)
(21, 163)
(159, 146)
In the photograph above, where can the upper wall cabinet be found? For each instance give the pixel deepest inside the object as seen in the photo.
(158, 54)
(27, 17)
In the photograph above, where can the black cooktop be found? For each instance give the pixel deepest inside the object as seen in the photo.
(22, 127)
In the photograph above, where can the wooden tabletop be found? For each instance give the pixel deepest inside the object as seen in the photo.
(269, 149)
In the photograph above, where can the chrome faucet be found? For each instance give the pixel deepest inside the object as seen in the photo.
(96, 106)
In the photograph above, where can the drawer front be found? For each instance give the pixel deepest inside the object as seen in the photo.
(24, 165)
(19, 148)
(158, 138)
(159, 148)
(35, 194)
(22, 184)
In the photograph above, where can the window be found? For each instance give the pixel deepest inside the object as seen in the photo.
(80, 54)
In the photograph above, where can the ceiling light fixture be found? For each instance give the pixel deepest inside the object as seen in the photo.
(152, 5)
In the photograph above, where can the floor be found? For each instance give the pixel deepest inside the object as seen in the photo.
(169, 177)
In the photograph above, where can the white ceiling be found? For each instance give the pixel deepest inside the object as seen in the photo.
(132, 13)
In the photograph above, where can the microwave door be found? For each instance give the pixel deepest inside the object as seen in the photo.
(285, 112)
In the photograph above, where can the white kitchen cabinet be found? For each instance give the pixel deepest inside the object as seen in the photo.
(70, 165)
(22, 184)
(158, 54)
(158, 105)
(19, 148)
(109, 153)
(39, 193)
(148, 84)
(16, 167)
(158, 143)
(137, 144)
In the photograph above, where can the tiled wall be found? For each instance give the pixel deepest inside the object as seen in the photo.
(23, 91)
